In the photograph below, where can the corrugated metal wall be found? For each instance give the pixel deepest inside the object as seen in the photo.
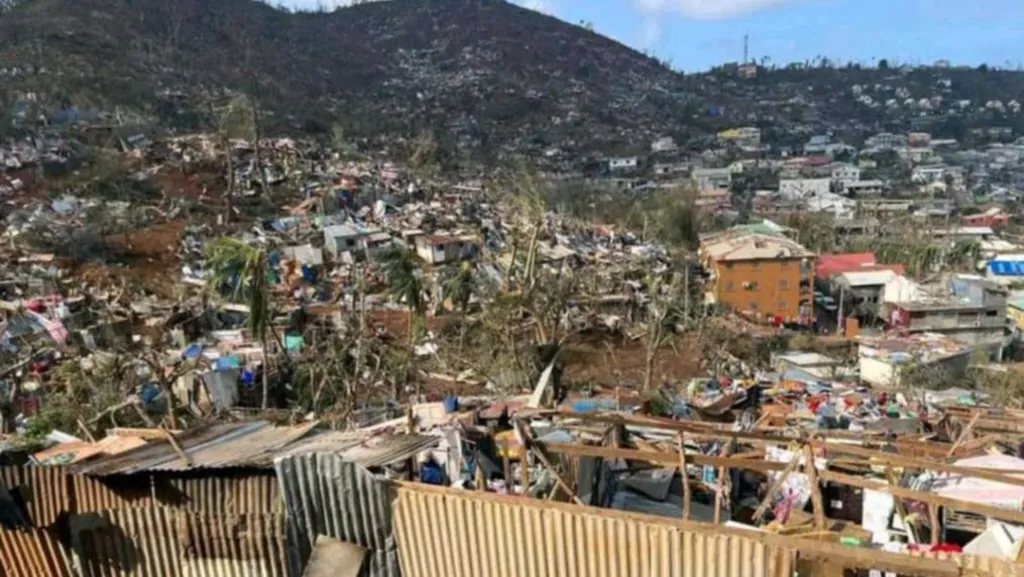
(44, 489)
(163, 541)
(255, 493)
(93, 495)
(447, 534)
(324, 495)
(32, 553)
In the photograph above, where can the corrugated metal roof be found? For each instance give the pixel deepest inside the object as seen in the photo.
(67, 453)
(251, 444)
(325, 495)
(368, 451)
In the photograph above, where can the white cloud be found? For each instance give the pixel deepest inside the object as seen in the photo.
(650, 33)
(708, 9)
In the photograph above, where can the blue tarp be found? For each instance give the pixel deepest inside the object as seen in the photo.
(193, 351)
(1007, 267)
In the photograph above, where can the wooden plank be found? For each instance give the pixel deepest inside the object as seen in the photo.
(901, 461)
(720, 490)
(661, 458)
(964, 434)
(900, 509)
(812, 478)
(775, 486)
(928, 498)
(687, 495)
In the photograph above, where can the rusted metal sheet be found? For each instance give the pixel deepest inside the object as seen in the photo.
(325, 495)
(32, 553)
(447, 534)
(92, 495)
(137, 541)
(249, 493)
(44, 490)
(235, 445)
(157, 541)
(236, 545)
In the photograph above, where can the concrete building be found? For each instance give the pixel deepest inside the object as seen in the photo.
(973, 312)
(712, 178)
(761, 274)
(800, 188)
(864, 188)
(356, 241)
(442, 249)
(892, 362)
(845, 173)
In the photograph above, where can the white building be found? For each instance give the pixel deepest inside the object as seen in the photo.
(839, 207)
(709, 178)
(928, 174)
(356, 241)
(845, 173)
(664, 144)
(623, 163)
(799, 188)
(442, 249)
(864, 188)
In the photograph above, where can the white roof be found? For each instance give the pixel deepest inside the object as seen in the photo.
(807, 359)
(868, 278)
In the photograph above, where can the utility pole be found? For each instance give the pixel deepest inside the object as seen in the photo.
(746, 49)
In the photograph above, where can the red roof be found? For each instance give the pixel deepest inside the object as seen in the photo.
(829, 265)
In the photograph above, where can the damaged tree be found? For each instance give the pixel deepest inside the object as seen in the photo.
(244, 270)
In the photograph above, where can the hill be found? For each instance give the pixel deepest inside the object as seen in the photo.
(485, 73)
(485, 77)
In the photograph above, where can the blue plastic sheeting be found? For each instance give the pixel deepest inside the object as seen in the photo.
(1007, 267)
(193, 351)
(592, 406)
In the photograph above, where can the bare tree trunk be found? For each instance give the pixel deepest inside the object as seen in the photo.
(266, 369)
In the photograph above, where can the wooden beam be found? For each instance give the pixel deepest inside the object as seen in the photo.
(539, 451)
(812, 478)
(928, 498)
(720, 490)
(893, 460)
(775, 486)
(687, 495)
(933, 518)
(660, 457)
(964, 434)
(524, 471)
(177, 448)
(894, 481)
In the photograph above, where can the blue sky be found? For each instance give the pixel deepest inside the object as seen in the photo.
(697, 34)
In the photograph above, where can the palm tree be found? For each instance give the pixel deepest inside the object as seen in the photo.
(405, 283)
(244, 271)
(461, 287)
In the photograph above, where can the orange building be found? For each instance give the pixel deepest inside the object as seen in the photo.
(764, 275)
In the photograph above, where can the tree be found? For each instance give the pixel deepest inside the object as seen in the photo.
(883, 64)
(244, 271)
(460, 288)
(405, 284)
(662, 308)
